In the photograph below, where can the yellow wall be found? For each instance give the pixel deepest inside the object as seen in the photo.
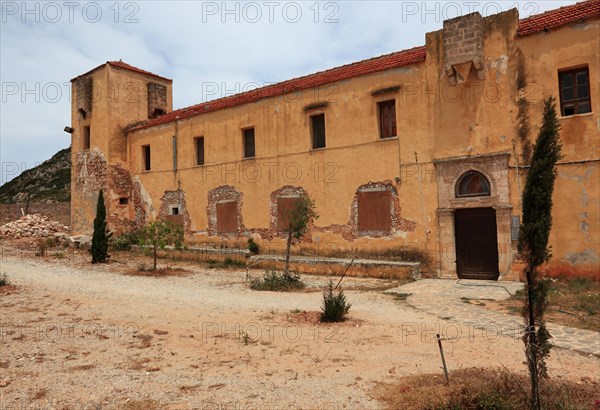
(435, 120)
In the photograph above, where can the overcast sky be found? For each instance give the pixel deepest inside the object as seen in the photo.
(209, 49)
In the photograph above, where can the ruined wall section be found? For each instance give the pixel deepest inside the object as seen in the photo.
(398, 223)
(224, 193)
(126, 208)
(175, 198)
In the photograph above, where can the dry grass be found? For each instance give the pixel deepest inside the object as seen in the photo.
(159, 272)
(145, 404)
(144, 340)
(478, 388)
(39, 394)
(572, 302)
(83, 367)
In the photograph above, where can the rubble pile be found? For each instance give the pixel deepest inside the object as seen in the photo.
(35, 226)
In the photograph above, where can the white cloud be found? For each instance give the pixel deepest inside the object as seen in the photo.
(193, 43)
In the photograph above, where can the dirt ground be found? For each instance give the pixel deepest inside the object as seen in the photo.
(76, 335)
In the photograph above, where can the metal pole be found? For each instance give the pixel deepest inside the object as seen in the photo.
(346, 271)
(439, 340)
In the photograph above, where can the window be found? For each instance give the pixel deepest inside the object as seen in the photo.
(227, 216)
(146, 157)
(248, 135)
(472, 183)
(374, 210)
(574, 92)
(317, 123)
(285, 206)
(86, 137)
(174, 210)
(387, 119)
(199, 143)
(515, 226)
(123, 201)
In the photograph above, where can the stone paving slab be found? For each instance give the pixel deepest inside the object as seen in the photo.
(442, 298)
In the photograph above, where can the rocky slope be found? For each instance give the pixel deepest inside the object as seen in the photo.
(48, 182)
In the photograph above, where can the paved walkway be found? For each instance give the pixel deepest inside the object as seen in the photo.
(442, 298)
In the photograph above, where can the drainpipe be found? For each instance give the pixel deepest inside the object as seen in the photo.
(518, 176)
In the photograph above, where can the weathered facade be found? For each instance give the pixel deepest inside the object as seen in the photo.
(425, 149)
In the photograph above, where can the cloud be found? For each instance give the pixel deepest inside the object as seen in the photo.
(235, 45)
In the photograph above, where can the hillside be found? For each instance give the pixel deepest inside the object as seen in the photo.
(48, 182)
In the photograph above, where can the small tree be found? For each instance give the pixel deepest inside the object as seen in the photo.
(302, 213)
(160, 233)
(533, 243)
(101, 233)
(335, 307)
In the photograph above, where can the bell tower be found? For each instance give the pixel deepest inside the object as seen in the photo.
(105, 101)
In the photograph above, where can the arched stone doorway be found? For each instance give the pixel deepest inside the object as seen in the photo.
(474, 216)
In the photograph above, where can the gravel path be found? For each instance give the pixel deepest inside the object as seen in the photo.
(81, 335)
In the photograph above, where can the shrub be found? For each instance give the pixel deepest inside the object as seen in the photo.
(158, 234)
(3, 280)
(42, 247)
(335, 307)
(230, 262)
(274, 281)
(51, 242)
(101, 233)
(253, 247)
(125, 241)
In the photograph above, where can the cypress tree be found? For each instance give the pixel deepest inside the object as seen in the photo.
(533, 242)
(101, 233)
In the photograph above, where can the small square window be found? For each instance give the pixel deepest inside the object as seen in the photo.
(123, 201)
(249, 148)
(87, 135)
(146, 157)
(199, 145)
(574, 92)
(387, 119)
(317, 123)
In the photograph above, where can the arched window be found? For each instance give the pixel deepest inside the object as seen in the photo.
(472, 183)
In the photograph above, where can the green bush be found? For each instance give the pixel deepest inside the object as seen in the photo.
(335, 307)
(125, 241)
(274, 281)
(253, 247)
(3, 280)
(101, 234)
(230, 262)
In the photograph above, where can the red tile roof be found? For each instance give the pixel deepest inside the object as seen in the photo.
(120, 64)
(373, 65)
(559, 17)
(125, 66)
(533, 24)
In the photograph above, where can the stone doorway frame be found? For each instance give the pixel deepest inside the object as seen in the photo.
(448, 171)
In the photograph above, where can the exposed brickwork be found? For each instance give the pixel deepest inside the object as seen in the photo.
(84, 90)
(157, 99)
(398, 223)
(223, 193)
(90, 171)
(175, 198)
(287, 190)
(123, 217)
(463, 43)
